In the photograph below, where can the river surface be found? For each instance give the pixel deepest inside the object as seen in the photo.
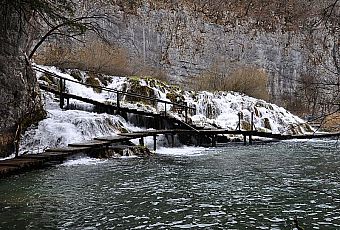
(233, 187)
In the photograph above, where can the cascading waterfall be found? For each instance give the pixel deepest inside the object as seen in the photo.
(65, 127)
(61, 128)
(223, 109)
(212, 109)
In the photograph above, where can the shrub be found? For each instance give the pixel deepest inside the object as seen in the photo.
(250, 81)
(247, 80)
(145, 70)
(94, 56)
(331, 122)
(98, 57)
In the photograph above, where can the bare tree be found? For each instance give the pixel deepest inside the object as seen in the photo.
(22, 21)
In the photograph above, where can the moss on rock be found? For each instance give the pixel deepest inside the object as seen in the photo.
(137, 88)
(48, 79)
(76, 75)
(245, 125)
(94, 82)
(266, 123)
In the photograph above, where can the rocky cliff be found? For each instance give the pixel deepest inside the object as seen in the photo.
(185, 43)
(19, 94)
(288, 41)
(295, 43)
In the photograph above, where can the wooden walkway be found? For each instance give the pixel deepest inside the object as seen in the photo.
(58, 155)
(183, 128)
(116, 107)
(53, 156)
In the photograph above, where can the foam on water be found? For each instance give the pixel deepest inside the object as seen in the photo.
(61, 128)
(234, 187)
(83, 161)
(182, 151)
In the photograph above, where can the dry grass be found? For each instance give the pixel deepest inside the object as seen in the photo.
(332, 123)
(97, 57)
(146, 71)
(94, 56)
(247, 80)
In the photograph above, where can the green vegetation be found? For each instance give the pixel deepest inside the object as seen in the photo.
(76, 75)
(94, 82)
(48, 79)
(144, 90)
(245, 125)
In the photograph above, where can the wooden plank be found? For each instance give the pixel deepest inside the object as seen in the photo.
(91, 144)
(48, 156)
(315, 136)
(22, 163)
(134, 135)
(58, 156)
(19, 161)
(68, 149)
(147, 133)
(33, 156)
(113, 139)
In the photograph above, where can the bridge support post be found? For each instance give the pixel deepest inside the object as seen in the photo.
(61, 96)
(154, 142)
(118, 104)
(141, 141)
(244, 139)
(252, 121)
(165, 109)
(172, 140)
(213, 140)
(68, 103)
(186, 112)
(157, 122)
(200, 140)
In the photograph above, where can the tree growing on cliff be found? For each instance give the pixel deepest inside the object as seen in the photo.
(22, 22)
(322, 42)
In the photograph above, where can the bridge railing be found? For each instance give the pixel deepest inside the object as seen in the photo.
(240, 118)
(62, 83)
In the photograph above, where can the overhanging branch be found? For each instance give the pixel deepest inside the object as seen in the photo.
(76, 22)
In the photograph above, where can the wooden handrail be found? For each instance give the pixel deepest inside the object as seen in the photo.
(41, 70)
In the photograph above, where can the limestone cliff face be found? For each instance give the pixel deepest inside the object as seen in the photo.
(19, 94)
(186, 44)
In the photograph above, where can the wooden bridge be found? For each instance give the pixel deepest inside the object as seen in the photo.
(118, 143)
(187, 133)
(160, 117)
(174, 126)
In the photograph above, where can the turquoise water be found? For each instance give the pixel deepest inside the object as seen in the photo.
(232, 187)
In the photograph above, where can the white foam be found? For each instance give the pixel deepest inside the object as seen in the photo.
(61, 128)
(182, 151)
(83, 161)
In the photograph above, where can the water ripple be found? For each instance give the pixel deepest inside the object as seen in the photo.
(235, 187)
